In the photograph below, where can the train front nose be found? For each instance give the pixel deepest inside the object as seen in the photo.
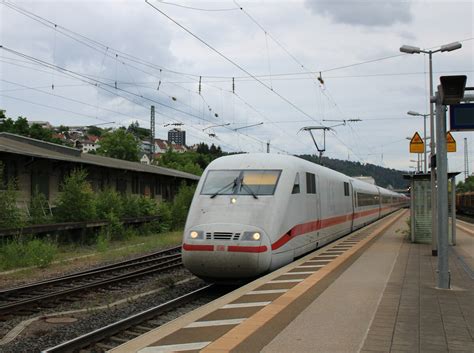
(214, 254)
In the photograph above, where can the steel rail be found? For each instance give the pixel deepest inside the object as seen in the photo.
(94, 271)
(124, 324)
(25, 303)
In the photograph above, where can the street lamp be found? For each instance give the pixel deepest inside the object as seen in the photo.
(411, 112)
(416, 50)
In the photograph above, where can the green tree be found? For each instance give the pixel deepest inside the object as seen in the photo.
(186, 162)
(21, 126)
(94, 130)
(38, 132)
(76, 202)
(466, 185)
(119, 144)
(139, 132)
(181, 204)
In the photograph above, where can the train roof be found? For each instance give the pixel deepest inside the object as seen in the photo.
(280, 161)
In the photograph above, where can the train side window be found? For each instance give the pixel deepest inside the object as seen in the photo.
(310, 183)
(346, 189)
(296, 185)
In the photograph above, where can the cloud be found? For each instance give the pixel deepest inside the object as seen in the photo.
(363, 13)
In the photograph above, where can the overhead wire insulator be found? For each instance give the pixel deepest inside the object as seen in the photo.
(320, 78)
(200, 77)
(233, 85)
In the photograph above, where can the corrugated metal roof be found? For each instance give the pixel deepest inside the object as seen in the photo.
(21, 145)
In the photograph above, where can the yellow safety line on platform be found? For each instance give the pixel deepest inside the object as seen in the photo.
(240, 333)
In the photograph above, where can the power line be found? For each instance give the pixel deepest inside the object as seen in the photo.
(231, 61)
(50, 107)
(197, 8)
(93, 44)
(272, 37)
(67, 98)
(100, 84)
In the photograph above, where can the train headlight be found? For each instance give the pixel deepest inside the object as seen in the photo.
(196, 234)
(233, 200)
(251, 236)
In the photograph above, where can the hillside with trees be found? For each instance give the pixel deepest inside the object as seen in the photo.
(383, 177)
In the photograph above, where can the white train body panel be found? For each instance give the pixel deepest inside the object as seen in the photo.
(290, 222)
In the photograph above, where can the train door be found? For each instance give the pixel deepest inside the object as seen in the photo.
(353, 204)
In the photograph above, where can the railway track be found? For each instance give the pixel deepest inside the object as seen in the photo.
(33, 297)
(115, 334)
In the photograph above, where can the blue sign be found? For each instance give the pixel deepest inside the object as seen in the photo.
(461, 117)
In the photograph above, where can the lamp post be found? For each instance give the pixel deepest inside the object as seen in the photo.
(416, 50)
(425, 169)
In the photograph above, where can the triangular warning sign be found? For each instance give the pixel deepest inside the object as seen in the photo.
(416, 138)
(416, 144)
(450, 138)
(450, 143)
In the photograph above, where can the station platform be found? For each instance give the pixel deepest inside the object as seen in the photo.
(372, 291)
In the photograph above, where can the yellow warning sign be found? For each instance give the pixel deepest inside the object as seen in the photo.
(416, 144)
(450, 142)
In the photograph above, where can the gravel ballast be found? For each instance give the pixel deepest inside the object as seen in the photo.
(42, 335)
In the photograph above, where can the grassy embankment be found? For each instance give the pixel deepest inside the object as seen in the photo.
(66, 258)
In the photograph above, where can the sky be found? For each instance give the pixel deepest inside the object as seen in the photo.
(107, 61)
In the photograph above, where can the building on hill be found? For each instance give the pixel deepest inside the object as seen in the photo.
(161, 146)
(145, 159)
(43, 124)
(177, 136)
(91, 143)
(42, 166)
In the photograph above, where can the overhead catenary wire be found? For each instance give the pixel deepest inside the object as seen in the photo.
(103, 85)
(68, 99)
(231, 61)
(198, 8)
(94, 44)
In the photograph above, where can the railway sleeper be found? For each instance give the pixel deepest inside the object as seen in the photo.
(104, 346)
(144, 328)
(133, 333)
(118, 339)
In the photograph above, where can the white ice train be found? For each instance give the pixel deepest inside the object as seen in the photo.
(253, 213)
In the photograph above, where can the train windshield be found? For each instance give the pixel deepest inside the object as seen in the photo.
(240, 182)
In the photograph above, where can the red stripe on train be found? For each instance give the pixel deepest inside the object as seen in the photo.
(252, 249)
(198, 247)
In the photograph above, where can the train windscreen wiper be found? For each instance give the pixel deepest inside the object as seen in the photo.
(248, 188)
(233, 183)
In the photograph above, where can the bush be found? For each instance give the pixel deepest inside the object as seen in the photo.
(166, 216)
(39, 209)
(131, 206)
(10, 215)
(181, 205)
(34, 252)
(76, 202)
(114, 229)
(109, 202)
(147, 206)
(103, 241)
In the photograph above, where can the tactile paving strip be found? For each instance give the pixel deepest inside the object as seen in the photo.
(208, 328)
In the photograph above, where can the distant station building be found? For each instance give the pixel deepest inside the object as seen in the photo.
(177, 136)
(42, 166)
